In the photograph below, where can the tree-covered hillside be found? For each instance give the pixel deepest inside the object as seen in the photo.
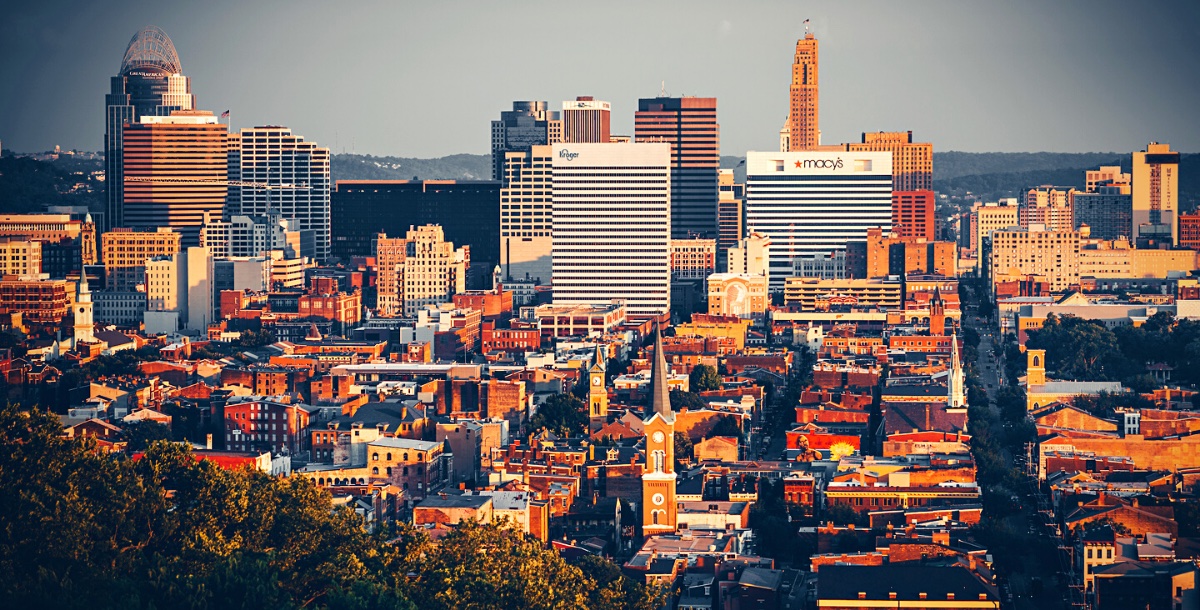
(82, 529)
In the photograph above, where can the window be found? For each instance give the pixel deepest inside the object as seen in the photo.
(375, 470)
(374, 457)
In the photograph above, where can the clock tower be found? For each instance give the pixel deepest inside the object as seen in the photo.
(84, 328)
(597, 393)
(658, 477)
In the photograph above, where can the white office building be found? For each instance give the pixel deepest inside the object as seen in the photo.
(812, 203)
(297, 177)
(612, 225)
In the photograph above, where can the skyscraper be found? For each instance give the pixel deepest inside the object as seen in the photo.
(1106, 210)
(175, 171)
(586, 120)
(297, 175)
(912, 162)
(689, 125)
(1156, 194)
(150, 83)
(731, 222)
(527, 214)
(527, 124)
(812, 203)
(803, 130)
(612, 226)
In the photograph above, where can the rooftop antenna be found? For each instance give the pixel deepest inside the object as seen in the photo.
(663, 92)
(806, 27)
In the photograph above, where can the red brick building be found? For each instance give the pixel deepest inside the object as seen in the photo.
(40, 302)
(913, 214)
(509, 339)
(338, 307)
(264, 425)
(494, 306)
(1189, 230)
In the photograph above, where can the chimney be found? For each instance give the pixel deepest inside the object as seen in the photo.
(208, 442)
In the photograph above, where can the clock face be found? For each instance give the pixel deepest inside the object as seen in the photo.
(595, 380)
(658, 499)
(658, 437)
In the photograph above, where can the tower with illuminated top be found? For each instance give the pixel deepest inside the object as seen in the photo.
(658, 477)
(150, 83)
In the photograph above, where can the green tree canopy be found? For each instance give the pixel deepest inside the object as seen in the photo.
(83, 529)
(683, 447)
(704, 378)
(689, 400)
(562, 414)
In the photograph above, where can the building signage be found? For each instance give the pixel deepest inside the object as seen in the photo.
(568, 155)
(834, 164)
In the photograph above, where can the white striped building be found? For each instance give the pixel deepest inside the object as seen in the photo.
(275, 156)
(612, 226)
(815, 202)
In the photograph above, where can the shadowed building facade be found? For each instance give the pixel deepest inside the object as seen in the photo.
(467, 210)
(689, 125)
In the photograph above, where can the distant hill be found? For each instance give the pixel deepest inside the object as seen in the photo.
(28, 185)
(1000, 175)
(953, 164)
(453, 167)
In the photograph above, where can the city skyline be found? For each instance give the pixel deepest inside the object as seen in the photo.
(1061, 80)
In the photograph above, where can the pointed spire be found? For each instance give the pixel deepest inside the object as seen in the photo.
(660, 392)
(85, 294)
(954, 382)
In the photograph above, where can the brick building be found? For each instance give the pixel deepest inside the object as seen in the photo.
(254, 423)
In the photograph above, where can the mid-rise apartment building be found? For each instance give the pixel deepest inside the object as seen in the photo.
(419, 269)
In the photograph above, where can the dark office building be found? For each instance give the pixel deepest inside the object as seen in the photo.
(1108, 212)
(468, 211)
(689, 125)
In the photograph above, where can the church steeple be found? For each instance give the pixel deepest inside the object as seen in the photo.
(660, 392)
(659, 514)
(954, 383)
(84, 328)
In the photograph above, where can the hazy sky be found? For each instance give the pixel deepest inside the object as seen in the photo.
(423, 79)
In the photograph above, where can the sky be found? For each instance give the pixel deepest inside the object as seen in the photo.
(424, 79)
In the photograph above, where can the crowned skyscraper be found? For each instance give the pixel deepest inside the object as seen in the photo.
(803, 129)
(150, 83)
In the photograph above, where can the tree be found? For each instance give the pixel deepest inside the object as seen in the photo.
(704, 378)
(683, 447)
(726, 426)
(689, 400)
(562, 414)
(142, 434)
(614, 590)
(80, 528)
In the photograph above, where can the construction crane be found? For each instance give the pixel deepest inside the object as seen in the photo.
(254, 185)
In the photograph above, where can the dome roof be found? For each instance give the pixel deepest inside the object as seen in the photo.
(151, 50)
